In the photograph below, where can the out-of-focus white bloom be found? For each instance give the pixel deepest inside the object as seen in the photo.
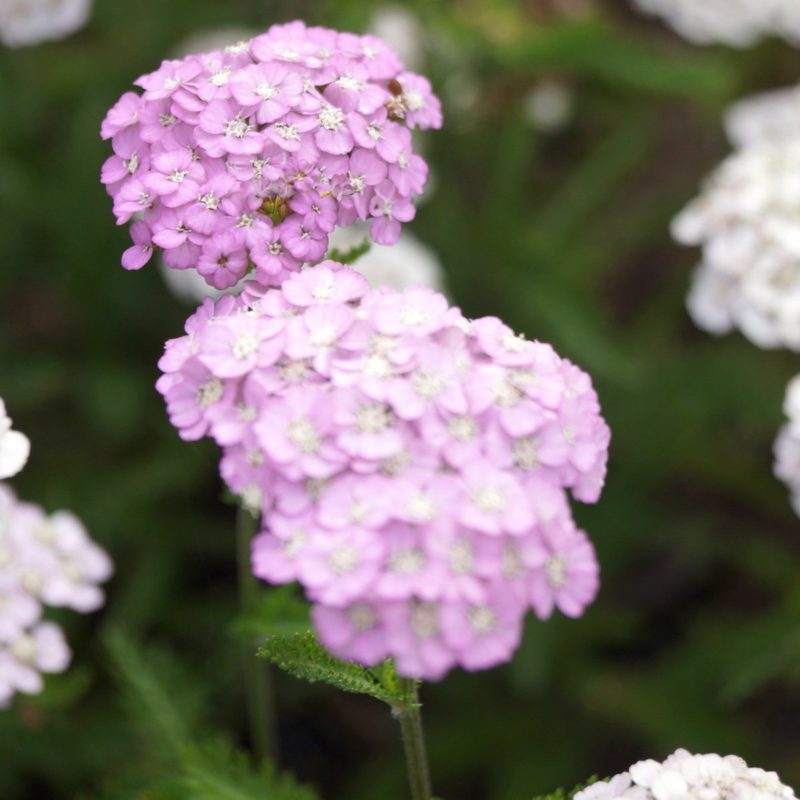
(43, 561)
(768, 117)
(402, 31)
(734, 22)
(215, 39)
(549, 105)
(747, 220)
(187, 284)
(406, 263)
(684, 776)
(14, 447)
(24, 22)
(787, 445)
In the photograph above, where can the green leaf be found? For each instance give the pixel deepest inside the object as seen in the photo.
(219, 772)
(352, 255)
(301, 655)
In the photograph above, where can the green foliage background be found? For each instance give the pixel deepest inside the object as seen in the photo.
(695, 639)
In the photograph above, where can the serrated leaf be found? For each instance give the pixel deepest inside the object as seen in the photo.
(302, 656)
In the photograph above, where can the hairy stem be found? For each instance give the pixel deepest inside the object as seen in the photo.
(258, 684)
(414, 741)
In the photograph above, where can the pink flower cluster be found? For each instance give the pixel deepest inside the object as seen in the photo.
(43, 561)
(410, 466)
(251, 156)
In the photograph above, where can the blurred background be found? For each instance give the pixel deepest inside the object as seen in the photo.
(574, 130)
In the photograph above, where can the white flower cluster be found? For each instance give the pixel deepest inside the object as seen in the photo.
(747, 220)
(787, 445)
(26, 22)
(14, 446)
(684, 776)
(43, 561)
(739, 23)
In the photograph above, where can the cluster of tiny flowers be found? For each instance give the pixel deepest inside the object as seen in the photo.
(684, 776)
(43, 561)
(787, 445)
(248, 157)
(739, 23)
(746, 220)
(410, 466)
(27, 22)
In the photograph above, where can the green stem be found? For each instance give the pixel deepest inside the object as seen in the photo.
(258, 684)
(410, 720)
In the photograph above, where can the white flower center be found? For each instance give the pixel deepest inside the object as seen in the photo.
(324, 336)
(395, 465)
(209, 393)
(512, 562)
(237, 127)
(295, 543)
(407, 562)
(291, 371)
(167, 120)
(427, 384)
(32, 581)
(402, 161)
(482, 619)
(246, 345)
(425, 620)
(359, 511)
(303, 435)
(252, 498)
(210, 201)
(178, 176)
(331, 118)
(526, 453)
(515, 344)
(287, 132)
(461, 557)
(357, 183)
(221, 76)
(506, 395)
(489, 499)
(362, 617)
(422, 507)
(322, 291)
(350, 83)
(556, 571)
(569, 434)
(376, 366)
(374, 418)
(374, 131)
(267, 91)
(414, 101)
(132, 164)
(343, 559)
(462, 428)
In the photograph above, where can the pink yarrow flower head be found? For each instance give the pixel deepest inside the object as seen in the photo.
(44, 561)
(247, 158)
(411, 468)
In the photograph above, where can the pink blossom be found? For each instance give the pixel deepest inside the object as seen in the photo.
(411, 469)
(287, 137)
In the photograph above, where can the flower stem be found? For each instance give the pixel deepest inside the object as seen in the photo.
(258, 684)
(414, 741)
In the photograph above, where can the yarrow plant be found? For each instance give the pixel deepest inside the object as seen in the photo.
(247, 158)
(691, 777)
(410, 466)
(44, 561)
(740, 23)
(14, 446)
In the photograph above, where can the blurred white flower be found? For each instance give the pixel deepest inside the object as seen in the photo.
(549, 106)
(768, 117)
(747, 220)
(406, 263)
(734, 22)
(787, 445)
(684, 776)
(26, 22)
(14, 447)
(402, 31)
(214, 39)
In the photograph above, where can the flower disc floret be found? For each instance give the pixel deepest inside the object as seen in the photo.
(422, 517)
(249, 157)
